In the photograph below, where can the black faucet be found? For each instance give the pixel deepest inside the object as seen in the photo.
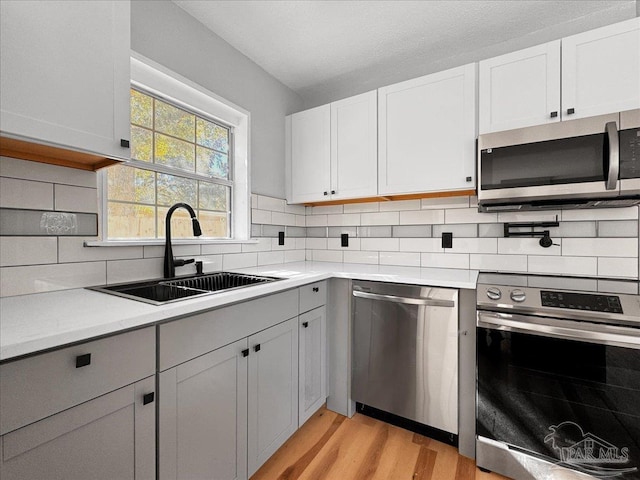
(170, 263)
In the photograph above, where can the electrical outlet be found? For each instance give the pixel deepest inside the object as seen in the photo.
(280, 238)
(447, 240)
(344, 239)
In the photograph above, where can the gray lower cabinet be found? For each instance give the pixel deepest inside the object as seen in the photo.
(312, 363)
(203, 417)
(273, 390)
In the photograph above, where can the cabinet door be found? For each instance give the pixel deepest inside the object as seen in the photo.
(520, 89)
(310, 155)
(312, 363)
(203, 417)
(354, 147)
(601, 70)
(273, 390)
(426, 133)
(112, 436)
(65, 73)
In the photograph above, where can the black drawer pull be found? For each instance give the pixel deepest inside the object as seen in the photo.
(124, 143)
(316, 289)
(571, 111)
(83, 360)
(148, 398)
(305, 324)
(245, 352)
(554, 114)
(256, 348)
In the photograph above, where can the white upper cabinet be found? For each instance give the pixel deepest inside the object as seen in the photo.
(65, 74)
(601, 70)
(333, 151)
(588, 74)
(427, 132)
(520, 88)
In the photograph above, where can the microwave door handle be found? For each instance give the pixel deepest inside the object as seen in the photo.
(614, 156)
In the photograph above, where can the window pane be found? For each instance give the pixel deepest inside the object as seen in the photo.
(212, 163)
(211, 135)
(176, 122)
(181, 226)
(141, 144)
(141, 109)
(173, 189)
(175, 153)
(131, 221)
(213, 224)
(131, 184)
(214, 197)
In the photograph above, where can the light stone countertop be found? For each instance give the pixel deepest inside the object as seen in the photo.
(44, 321)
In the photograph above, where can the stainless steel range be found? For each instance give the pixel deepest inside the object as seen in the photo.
(558, 377)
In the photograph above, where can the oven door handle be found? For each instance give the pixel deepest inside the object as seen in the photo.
(430, 302)
(581, 331)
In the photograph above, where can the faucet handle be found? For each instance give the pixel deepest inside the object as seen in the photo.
(199, 267)
(180, 262)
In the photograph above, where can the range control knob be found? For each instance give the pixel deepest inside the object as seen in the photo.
(518, 296)
(494, 293)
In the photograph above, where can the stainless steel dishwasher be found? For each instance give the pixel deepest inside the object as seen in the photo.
(405, 353)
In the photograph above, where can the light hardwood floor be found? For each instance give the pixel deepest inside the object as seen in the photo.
(332, 447)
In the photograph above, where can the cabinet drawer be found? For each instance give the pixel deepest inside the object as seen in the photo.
(39, 386)
(187, 338)
(313, 296)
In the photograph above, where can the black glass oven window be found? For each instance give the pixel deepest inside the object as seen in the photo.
(554, 162)
(581, 301)
(543, 394)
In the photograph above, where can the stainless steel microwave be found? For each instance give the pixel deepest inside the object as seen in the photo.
(585, 163)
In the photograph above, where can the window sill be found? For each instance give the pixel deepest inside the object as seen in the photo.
(143, 243)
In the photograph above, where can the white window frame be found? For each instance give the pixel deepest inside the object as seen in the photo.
(166, 84)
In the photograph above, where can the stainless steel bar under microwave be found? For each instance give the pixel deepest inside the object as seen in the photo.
(577, 160)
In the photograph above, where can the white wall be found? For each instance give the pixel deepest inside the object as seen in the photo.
(163, 32)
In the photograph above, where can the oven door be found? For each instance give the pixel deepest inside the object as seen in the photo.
(569, 160)
(564, 392)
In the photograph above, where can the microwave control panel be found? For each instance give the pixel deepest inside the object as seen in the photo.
(630, 153)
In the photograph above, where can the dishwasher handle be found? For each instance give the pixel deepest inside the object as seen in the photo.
(430, 302)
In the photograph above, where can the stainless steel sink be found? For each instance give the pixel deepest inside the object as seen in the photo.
(160, 292)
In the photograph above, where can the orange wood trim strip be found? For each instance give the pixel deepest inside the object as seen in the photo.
(387, 198)
(11, 147)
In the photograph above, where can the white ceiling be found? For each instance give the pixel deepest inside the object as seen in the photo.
(328, 49)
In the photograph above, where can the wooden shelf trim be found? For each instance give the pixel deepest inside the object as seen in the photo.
(36, 152)
(390, 198)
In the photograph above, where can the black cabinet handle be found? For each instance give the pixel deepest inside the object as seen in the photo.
(326, 193)
(245, 352)
(256, 348)
(333, 192)
(148, 398)
(83, 360)
(554, 114)
(469, 179)
(305, 324)
(315, 289)
(124, 143)
(571, 111)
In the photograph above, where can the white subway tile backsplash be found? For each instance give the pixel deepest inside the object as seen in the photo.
(446, 202)
(254, 200)
(545, 216)
(563, 265)
(294, 256)
(270, 203)
(409, 231)
(420, 245)
(288, 219)
(380, 244)
(232, 261)
(626, 213)
(621, 228)
(334, 244)
(210, 263)
(16, 251)
(261, 245)
(490, 229)
(526, 246)
(301, 221)
(473, 245)
(361, 207)
(417, 217)
(213, 249)
(300, 243)
(361, 257)
(25, 194)
(345, 219)
(326, 256)
(295, 209)
(500, 263)
(270, 258)
(600, 247)
(72, 249)
(618, 267)
(316, 220)
(131, 270)
(48, 278)
(399, 205)
(157, 251)
(316, 243)
(289, 244)
(408, 259)
(445, 260)
(336, 232)
(76, 199)
(574, 229)
(381, 218)
(469, 215)
(327, 209)
(43, 172)
(379, 231)
(260, 216)
(468, 230)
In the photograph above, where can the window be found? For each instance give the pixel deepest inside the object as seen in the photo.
(187, 145)
(177, 156)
